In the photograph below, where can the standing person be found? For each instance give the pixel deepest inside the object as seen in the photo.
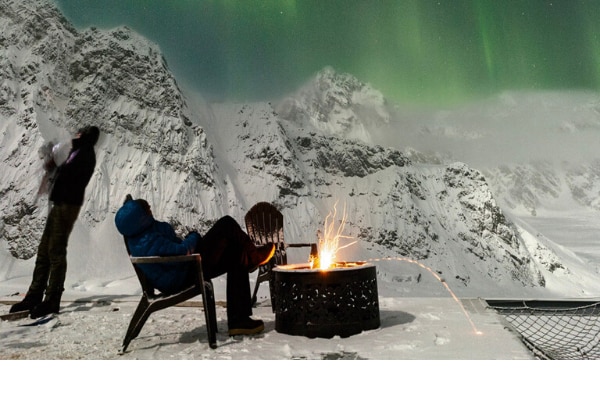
(225, 248)
(66, 198)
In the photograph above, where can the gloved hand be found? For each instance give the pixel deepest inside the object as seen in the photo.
(194, 233)
(192, 239)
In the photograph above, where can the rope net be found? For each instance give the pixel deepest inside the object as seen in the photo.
(555, 330)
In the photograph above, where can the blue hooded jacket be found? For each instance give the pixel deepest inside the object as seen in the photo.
(146, 236)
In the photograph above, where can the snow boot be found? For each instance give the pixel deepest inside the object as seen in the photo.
(30, 301)
(50, 305)
(246, 326)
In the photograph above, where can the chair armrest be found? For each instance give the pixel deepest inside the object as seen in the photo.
(313, 247)
(162, 259)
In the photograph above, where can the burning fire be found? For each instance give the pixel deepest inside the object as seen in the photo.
(329, 241)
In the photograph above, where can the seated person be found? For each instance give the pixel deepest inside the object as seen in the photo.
(225, 248)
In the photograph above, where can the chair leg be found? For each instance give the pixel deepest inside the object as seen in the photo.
(272, 292)
(210, 294)
(254, 298)
(264, 274)
(141, 322)
(137, 321)
(210, 313)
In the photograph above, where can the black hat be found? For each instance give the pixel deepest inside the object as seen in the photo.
(91, 134)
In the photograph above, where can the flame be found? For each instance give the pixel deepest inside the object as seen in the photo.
(329, 240)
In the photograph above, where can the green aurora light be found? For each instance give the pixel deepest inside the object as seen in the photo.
(414, 51)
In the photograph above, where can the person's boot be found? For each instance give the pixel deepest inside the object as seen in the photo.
(50, 305)
(246, 326)
(30, 301)
(260, 256)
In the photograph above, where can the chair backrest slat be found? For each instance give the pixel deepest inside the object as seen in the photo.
(264, 224)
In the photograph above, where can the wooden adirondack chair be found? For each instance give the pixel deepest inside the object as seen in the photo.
(264, 224)
(152, 302)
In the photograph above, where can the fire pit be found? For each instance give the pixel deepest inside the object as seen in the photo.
(341, 300)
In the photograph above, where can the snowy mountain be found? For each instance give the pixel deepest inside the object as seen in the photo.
(318, 149)
(537, 152)
(339, 105)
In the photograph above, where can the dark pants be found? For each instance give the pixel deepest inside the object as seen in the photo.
(225, 248)
(51, 263)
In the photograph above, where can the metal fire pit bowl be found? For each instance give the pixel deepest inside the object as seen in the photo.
(342, 300)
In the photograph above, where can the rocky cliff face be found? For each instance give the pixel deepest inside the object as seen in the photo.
(196, 162)
(56, 80)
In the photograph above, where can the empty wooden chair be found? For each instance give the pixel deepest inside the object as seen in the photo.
(264, 224)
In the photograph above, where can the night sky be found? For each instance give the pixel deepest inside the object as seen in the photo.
(428, 52)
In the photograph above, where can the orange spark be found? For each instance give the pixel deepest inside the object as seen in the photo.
(329, 240)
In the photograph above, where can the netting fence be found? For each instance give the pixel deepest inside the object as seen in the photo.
(555, 330)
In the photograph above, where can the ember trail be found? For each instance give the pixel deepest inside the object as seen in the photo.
(437, 276)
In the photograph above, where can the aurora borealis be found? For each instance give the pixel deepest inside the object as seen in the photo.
(414, 51)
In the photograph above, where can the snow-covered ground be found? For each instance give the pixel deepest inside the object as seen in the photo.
(424, 347)
(411, 329)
